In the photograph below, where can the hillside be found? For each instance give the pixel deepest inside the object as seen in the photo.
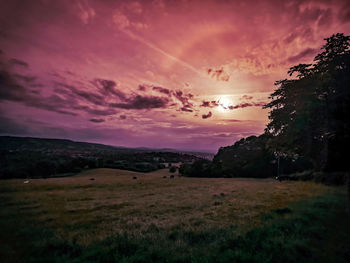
(22, 157)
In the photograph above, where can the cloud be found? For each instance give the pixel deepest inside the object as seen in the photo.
(142, 88)
(128, 16)
(97, 120)
(246, 97)
(209, 104)
(120, 20)
(344, 14)
(186, 109)
(85, 12)
(246, 104)
(18, 62)
(213, 104)
(13, 91)
(24, 78)
(218, 74)
(187, 105)
(305, 53)
(122, 117)
(109, 88)
(206, 116)
(98, 97)
(162, 90)
(135, 7)
(10, 89)
(142, 102)
(88, 96)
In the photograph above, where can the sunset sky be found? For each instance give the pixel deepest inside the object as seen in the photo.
(181, 74)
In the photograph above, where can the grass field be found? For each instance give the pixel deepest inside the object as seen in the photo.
(116, 218)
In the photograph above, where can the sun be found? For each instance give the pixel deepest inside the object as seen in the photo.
(224, 104)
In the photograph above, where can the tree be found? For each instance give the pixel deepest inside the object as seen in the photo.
(309, 114)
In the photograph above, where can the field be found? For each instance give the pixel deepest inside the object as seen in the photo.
(116, 218)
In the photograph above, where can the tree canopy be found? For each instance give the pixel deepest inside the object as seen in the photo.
(309, 113)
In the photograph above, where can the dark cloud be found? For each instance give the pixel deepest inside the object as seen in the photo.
(25, 78)
(162, 90)
(186, 109)
(184, 99)
(88, 96)
(12, 91)
(206, 116)
(97, 120)
(9, 88)
(142, 88)
(18, 62)
(122, 117)
(305, 53)
(246, 97)
(344, 13)
(142, 102)
(247, 104)
(109, 88)
(213, 103)
(218, 74)
(326, 18)
(205, 104)
(68, 98)
(209, 104)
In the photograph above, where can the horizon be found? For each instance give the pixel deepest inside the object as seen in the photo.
(117, 146)
(182, 75)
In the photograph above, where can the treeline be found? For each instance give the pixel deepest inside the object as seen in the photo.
(41, 164)
(309, 128)
(248, 157)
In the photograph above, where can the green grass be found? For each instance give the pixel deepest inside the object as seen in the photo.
(118, 219)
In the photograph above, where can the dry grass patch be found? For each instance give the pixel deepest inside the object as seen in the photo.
(87, 210)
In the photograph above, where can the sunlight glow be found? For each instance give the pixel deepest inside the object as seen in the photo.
(224, 103)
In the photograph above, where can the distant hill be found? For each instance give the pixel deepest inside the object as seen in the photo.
(27, 157)
(13, 143)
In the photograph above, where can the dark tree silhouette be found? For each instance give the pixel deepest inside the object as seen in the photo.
(310, 113)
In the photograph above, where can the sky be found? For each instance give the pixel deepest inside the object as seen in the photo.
(189, 75)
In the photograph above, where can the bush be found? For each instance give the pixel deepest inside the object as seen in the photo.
(335, 178)
(172, 169)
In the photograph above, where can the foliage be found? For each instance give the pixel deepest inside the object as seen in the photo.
(43, 158)
(172, 169)
(309, 113)
(201, 168)
(248, 157)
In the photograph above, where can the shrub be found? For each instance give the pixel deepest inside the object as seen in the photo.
(172, 169)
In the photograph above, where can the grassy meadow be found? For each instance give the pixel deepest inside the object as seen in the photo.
(116, 218)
